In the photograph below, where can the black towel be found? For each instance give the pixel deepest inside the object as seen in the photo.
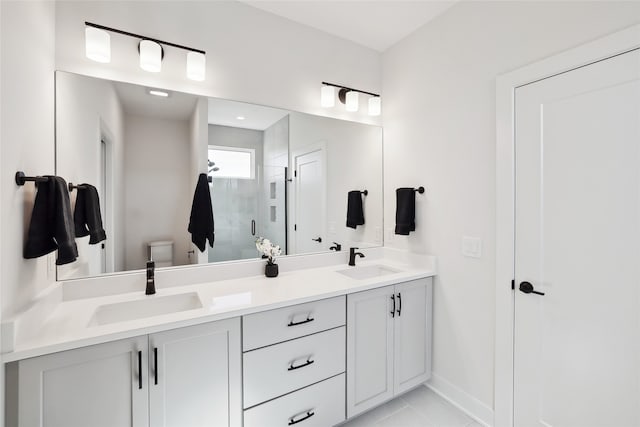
(86, 216)
(355, 213)
(201, 220)
(51, 224)
(405, 210)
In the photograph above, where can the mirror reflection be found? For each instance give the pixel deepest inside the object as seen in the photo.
(272, 173)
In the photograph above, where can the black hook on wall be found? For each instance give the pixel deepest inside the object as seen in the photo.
(419, 190)
(365, 192)
(21, 178)
(72, 186)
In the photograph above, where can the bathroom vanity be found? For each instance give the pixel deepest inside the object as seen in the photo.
(314, 346)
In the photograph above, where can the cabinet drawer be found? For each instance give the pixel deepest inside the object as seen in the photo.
(279, 369)
(324, 400)
(274, 326)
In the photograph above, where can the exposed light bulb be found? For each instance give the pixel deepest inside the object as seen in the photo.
(196, 66)
(327, 96)
(150, 56)
(97, 45)
(374, 106)
(352, 101)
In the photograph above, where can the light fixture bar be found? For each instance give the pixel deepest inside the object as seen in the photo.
(350, 89)
(138, 36)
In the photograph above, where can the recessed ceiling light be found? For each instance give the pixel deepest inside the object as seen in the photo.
(157, 92)
(240, 117)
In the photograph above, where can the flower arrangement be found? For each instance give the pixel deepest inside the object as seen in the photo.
(267, 248)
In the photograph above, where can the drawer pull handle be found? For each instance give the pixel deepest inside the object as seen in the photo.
(309, 319)
(293, 367)
(308, 415)
(393, 310)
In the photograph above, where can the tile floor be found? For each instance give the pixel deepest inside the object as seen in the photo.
(420, 407)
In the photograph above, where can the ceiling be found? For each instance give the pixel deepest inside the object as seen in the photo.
(374, 24)
(136, 100)
(226, 113)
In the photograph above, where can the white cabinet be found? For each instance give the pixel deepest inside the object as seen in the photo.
(102, 385)
(183, 377)
(388, 342)
(293, 372)
(194, 376)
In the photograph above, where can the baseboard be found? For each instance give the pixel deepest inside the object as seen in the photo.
(462, 400)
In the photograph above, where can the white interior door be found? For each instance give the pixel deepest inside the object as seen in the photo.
(310, 201)
(577, 358)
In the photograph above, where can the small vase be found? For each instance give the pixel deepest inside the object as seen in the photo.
(271, 270)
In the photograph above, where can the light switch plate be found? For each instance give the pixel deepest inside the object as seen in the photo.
(471, 246)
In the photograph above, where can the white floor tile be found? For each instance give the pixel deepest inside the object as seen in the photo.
(418, 408)
(407, 417)
(435, 409)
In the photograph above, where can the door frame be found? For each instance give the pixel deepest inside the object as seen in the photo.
(506, 84)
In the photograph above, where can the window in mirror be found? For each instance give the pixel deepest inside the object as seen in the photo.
(231, 162)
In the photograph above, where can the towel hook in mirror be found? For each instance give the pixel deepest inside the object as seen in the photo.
(419, 189)
(365, 192)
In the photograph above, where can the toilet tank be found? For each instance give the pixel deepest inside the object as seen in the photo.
(161, 252)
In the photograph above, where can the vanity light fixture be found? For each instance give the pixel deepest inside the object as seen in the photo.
(352, 103)
(327, 96)
(98, 48)
(97, 45)
(375, 106)
(350, 97)
(151, 54)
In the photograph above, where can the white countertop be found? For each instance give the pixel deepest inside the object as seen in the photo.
(68, 324)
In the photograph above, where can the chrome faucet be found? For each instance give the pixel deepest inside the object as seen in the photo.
(151, 281)
(352, 256)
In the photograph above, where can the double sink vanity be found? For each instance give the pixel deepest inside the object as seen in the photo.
(317, 345)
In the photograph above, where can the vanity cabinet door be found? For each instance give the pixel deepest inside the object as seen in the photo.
(369, 349)
(195, 376)
(101, 385)
(412, 334)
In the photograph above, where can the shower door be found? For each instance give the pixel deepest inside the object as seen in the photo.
(236, 217)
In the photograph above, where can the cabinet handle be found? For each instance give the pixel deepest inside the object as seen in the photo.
(139, 370)
(399, 304)
(393, 310)
(309, 319)
(155, 364)
(293, 367)
(308, 415)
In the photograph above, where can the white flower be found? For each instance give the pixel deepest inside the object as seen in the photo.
(268, 249)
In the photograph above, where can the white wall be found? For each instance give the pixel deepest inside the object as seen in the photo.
(439, 124)
(276, 159)
(27, 63)
(158, 194)
(199, 143)
(87, 110)
(354, 162)
(252, 55)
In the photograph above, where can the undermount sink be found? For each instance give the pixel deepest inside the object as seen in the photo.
(140, 309)
(368, 271)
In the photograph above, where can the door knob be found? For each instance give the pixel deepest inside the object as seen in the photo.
(319, 240)
(527, 288)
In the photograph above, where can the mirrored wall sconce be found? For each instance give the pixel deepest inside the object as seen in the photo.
(349, 97)
(150, 50)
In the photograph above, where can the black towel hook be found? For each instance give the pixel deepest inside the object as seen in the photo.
(73, 186)
(419, 189)
(21, 178)
(365, 192)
